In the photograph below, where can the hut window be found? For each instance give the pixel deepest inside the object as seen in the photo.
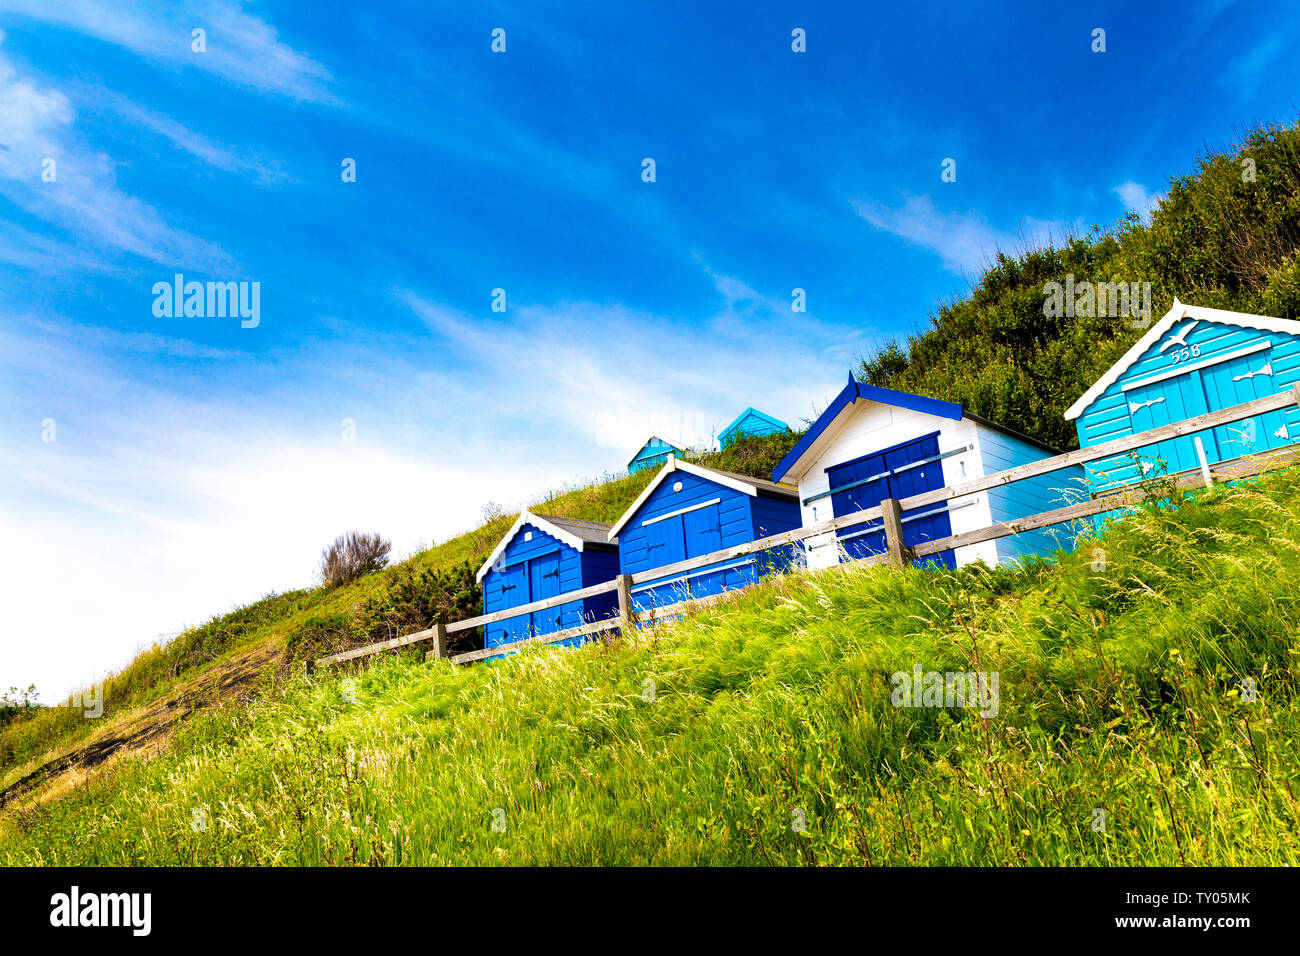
(528, 536)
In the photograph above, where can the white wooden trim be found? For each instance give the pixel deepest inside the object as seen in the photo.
(721, 479)
(1183, 369)
(527, 517)
(1205, 464)
(681, 511)
(669, 467)
(673, 464)
(1177, 313)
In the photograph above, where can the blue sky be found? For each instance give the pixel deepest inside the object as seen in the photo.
(198, 464)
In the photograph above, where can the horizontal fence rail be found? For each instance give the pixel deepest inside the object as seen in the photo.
(889, 514)
(472, 622)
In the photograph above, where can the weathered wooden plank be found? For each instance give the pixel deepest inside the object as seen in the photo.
(892, 516)
(470, 657)
(1245, 467)
(685, 606)
(439, 640)
(376, 648)
(784, 538)
(470, 622)
(626, 609)
(1109, 449)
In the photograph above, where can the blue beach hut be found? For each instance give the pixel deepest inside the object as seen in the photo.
(688, 511)
(751, 422)
(653, 454)
(1194, 360)
(873, 443)
(544, 556)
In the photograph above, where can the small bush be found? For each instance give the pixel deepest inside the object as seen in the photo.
(352, 556)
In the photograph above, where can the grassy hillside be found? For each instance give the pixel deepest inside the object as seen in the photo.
(1122, 688)
(1120, 676)
(1227, 236)
(225, 657)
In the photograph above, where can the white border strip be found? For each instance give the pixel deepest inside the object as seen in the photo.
(1176, 313)
(1183, 369)
(681, 511)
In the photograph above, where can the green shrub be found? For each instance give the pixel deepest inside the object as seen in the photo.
(1218, 239)
(322, 634)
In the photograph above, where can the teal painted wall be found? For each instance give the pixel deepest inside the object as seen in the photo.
(654, 454)
(1216, 377)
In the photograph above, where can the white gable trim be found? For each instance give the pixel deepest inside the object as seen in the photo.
(681, 511)
(527, 517)
(1156, 332)
(672, 465)
(814, 459)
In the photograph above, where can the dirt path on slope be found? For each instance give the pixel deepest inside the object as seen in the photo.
(146, 727)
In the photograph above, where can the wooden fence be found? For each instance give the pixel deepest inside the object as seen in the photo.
(889, 514)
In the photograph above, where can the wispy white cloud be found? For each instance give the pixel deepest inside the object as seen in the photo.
(612, 376)
(1244, 73)
(240, 48)
(965, 241)
(226, 158)
(49, 173)
(149, 343)
(43, 254)
(1137, 198)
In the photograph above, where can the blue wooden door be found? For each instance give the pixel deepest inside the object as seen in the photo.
(865, 483)
(544, 582)
(665, 545)
(513, 584)
(914, 469)
(1161, 403)
(898, 472)
(1243, 380)
(702, 531)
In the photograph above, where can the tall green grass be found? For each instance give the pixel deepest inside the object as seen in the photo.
(1123, 673)
(285, 620)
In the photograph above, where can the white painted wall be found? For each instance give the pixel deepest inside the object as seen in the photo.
(865, 427)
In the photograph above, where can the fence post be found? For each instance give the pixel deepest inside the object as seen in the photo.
(893, 519)
(1205, 463)
(439, 639)
(625, 608)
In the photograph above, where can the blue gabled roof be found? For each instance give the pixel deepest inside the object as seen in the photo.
(850, 394)
(754, 412)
